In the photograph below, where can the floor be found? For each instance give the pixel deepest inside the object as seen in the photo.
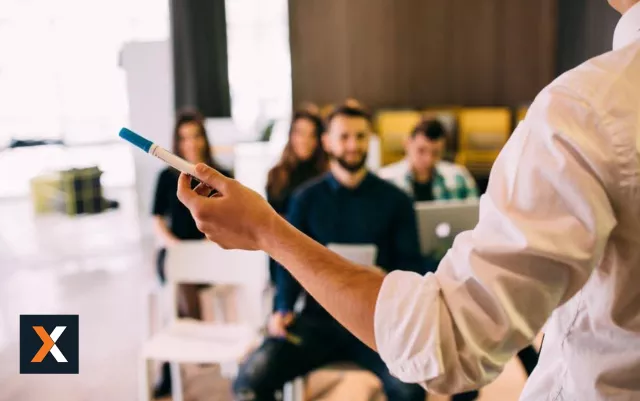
(100, 268)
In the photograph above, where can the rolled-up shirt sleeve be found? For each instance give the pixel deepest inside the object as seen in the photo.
(543, 226)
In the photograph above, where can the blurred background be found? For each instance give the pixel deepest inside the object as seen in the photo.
(77, 231)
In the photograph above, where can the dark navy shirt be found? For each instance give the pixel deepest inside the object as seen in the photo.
(376, 212)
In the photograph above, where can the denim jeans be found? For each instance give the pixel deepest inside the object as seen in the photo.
(322, 342)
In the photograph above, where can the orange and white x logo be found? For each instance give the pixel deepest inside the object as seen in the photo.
(49, 344)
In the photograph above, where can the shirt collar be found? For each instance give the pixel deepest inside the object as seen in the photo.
(335, 184)
(628, 28)
(436, 172)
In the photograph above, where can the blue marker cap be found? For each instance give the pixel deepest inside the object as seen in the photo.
(135, 139)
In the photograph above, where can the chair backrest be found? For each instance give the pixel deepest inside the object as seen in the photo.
(203, 262)
(484, 129)
(482, 132)
(448, 116)
(394, 126)
(521, 113)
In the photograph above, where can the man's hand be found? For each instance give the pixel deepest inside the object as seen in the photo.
(278, 323)
(238, 218)
(235, 217)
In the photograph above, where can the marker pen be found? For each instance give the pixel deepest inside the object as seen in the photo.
(158, 151)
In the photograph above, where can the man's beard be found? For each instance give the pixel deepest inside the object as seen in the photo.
(351, 167)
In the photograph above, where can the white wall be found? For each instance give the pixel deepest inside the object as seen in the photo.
(149, 72)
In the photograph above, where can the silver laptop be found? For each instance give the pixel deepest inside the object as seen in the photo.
(440, 222)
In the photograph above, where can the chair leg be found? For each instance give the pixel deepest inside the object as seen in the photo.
(145, 380)
(287, 392)
(298, 388)
(294, 390)
(176, 382)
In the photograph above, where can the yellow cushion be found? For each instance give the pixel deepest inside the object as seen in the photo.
(485, 141)
(394, 127)
(521, 113)
(482, 125)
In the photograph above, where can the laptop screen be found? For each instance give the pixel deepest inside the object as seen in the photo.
(440, 222)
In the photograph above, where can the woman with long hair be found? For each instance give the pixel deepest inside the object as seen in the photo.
(172, 221)
(303, 158)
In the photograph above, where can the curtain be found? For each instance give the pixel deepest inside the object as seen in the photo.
(199, 41)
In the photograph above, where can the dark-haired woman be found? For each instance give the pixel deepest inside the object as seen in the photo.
(172, 220)
(302, 159)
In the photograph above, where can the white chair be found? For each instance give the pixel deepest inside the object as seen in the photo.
(363, 254)
(191, 341)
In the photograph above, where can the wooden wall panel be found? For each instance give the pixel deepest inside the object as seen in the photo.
(527, 65)
(370, 50)
(422, 52)
(320, 70)
(418, 53)
(476, 47)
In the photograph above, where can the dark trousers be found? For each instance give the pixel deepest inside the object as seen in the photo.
(322, 342)
(529, 358)
(273, 270)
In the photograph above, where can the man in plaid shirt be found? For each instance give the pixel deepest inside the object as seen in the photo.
(423, 174)
(426, 177)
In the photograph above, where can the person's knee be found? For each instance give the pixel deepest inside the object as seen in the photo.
(400, 391)
(253, 375)
(253, 371)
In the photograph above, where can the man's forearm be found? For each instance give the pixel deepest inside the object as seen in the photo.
(346, 290)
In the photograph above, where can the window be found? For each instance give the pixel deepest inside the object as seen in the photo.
(59, 72)
(259, 61)
(60, 79)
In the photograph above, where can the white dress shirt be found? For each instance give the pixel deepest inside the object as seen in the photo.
(558, 242)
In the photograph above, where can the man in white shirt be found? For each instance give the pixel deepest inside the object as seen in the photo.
(423, 174)
(558, 241)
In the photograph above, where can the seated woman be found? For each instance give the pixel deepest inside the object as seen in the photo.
(172, 221)
(302, 159)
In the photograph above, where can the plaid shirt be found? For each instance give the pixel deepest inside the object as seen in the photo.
(450, 181)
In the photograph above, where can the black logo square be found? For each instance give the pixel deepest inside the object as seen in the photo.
(49, 344)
